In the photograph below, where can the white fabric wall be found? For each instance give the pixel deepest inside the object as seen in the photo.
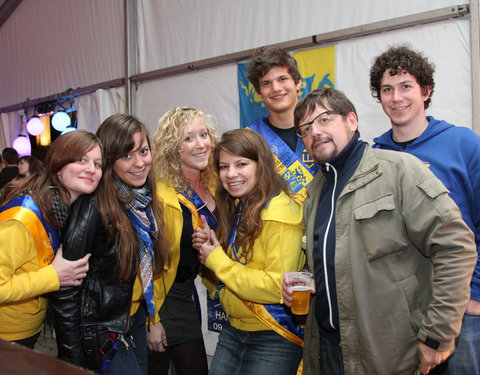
(212, 90)
(182, 31)
(95, 107)
(215, 90)
(10, 127)
(49, 46)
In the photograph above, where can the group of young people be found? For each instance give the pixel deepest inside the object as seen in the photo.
(110, 234)
(116, 227)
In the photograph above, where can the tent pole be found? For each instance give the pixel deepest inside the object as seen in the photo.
(475, 51)
(130, 55)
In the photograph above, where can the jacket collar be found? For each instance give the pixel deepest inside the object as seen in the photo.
(368, 169)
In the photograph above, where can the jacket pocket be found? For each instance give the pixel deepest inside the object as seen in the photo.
(379, 215)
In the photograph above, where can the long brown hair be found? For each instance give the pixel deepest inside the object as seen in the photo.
(251, 145)
(116, 135)
(66, 149)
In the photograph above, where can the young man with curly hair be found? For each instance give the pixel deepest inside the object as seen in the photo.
(401, 79)
(275, 76)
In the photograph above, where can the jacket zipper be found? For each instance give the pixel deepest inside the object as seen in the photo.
(325, 268)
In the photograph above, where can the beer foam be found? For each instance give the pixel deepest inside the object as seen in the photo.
(300, 288)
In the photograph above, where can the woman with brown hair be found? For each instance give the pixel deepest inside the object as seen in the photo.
(29, 165)
(184, 162)
(260, 231)
(32, 214)
(101, 325)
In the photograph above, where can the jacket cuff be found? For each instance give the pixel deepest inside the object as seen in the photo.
(435, 344)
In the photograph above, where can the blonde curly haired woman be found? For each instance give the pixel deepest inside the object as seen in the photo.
(183, 160)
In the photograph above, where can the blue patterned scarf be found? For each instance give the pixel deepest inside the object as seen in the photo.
(139, 212)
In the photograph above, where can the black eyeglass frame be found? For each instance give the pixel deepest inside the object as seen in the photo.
(329, 112)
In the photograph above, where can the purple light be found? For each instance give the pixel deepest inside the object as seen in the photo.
(35, 126)
(22, 145)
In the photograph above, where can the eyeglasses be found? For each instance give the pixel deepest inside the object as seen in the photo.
(321, 121)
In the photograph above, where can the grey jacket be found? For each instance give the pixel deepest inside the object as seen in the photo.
(403, 263)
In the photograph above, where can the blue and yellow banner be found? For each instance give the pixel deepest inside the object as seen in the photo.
(316, 66)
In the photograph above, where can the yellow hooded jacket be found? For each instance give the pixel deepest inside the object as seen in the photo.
(22, 283)
(277, 250)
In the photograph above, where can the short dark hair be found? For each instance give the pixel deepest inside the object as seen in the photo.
(327, 97)
(265, 58)
(402, 59)
(10, 155)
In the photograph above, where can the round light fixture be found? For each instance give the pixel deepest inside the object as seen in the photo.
(35, 126)
(22, 145)
(60, 121)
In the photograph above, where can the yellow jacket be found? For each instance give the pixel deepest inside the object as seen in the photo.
(22, 283)
(173, 230)
(276, 251)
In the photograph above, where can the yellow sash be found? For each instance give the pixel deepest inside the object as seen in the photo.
(36, 229)
(263, 315)
(197, 223)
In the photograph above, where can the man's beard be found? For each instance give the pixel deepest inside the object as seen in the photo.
(325, 155)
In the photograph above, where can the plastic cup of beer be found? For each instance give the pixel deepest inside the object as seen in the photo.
(300, 282)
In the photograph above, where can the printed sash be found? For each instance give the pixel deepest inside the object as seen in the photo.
(275, 316)
(25, 210)
(297, 169)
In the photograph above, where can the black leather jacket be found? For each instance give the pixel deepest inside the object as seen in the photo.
(101, 303)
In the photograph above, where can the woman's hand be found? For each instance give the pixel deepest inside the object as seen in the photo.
(70, 273)
(156, 337)
(208, 247)
(204, 240)
(199, 237)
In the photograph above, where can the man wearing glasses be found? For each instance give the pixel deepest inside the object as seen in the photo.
(402, 81)
(274, 75)
(391, 255)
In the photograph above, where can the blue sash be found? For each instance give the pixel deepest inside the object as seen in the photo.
(233, 233)
(298, 169)
(24, 209)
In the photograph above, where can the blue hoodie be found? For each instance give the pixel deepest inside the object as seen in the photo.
(453, 154)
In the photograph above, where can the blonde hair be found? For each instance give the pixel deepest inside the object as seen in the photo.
(171, 132)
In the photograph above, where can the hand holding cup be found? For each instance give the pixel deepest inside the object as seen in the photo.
(301, 284)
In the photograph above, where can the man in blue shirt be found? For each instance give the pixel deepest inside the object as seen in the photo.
(402, 81)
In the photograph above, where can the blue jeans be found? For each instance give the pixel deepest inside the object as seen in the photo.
(254, 352)
(131, 360)
(466, 358)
